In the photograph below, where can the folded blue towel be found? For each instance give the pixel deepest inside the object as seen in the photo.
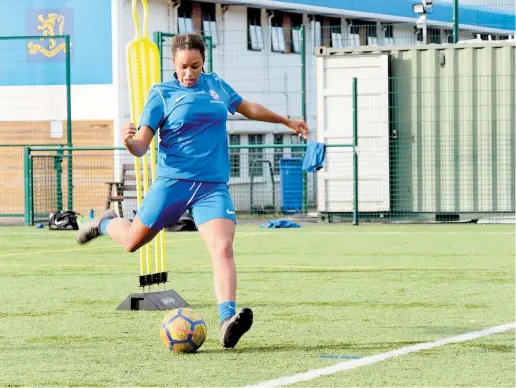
(314, 156)
(276, 224)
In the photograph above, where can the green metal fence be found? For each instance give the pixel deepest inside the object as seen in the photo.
(35, 108)
(450, 148)
(266, 186)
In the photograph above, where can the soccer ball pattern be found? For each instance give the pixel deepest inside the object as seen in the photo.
(183, 330)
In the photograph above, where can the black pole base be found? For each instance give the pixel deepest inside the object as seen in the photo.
(152, 301)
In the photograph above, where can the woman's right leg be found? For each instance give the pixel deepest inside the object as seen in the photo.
(131, 235)
(165, 202)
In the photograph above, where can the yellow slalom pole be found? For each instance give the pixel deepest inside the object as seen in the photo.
(143, 67)
(134, 71)
(152, 73)
(146, 85)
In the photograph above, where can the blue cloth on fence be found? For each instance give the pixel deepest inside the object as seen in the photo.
(314, 156)
(276, 224)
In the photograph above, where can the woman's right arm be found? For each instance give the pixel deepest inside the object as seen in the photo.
(137, 142)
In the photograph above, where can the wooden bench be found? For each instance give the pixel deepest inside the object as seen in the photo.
(116, 191)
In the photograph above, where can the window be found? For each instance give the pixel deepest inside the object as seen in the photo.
(184, 18)
(296, 40)
(234, 157)
(255, 169)
(254, 37)
(317, 31)
(337, 40)
(388, 31)
(388, 34)
(503, 37)
(277, 35)
(449, 36)
(434, 35)
(354, 35)
(296, 21)
(419, 36)
(371, 34)
(209, 24)
(278, 154)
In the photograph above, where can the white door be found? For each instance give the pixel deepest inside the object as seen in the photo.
(335, 126)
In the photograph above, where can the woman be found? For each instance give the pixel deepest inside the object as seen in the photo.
(193, 170)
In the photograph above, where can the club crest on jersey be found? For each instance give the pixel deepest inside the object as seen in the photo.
(214, 95)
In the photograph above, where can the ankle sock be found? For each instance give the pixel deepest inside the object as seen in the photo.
(226, 310)
(103, 226)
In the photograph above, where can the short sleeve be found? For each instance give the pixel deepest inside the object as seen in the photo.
(234, 98)
(153, 111)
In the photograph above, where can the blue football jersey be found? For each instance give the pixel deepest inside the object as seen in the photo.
(192, 128)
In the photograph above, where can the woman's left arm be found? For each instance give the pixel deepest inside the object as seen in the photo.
(255, 111)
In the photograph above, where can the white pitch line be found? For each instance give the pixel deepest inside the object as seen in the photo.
(347, 365)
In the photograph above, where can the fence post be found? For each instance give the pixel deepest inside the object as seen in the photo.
(27, 163)
(455, 21)
(69, 121)
(303, 110)
(58, 161)
(303, 73)
(355, 152)
(158, 39)
(210, 53)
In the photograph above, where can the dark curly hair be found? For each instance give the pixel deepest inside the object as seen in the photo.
(189, 41)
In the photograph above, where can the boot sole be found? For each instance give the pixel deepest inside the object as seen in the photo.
(238, 328)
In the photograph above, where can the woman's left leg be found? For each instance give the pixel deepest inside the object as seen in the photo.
(218, 237)
(214, 214)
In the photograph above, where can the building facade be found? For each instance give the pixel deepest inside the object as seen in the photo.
(263, 48)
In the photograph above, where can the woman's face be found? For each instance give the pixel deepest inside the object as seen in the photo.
(188, 64)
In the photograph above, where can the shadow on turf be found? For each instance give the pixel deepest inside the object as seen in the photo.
(357, 349)
(347, 303)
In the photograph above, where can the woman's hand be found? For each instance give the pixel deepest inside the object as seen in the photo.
(299, 127)
(128, 132)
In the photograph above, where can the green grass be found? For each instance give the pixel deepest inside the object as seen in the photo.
(318, 290)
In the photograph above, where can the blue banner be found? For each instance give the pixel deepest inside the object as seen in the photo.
(42, 61)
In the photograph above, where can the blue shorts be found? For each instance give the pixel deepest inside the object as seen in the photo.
(168, 199)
